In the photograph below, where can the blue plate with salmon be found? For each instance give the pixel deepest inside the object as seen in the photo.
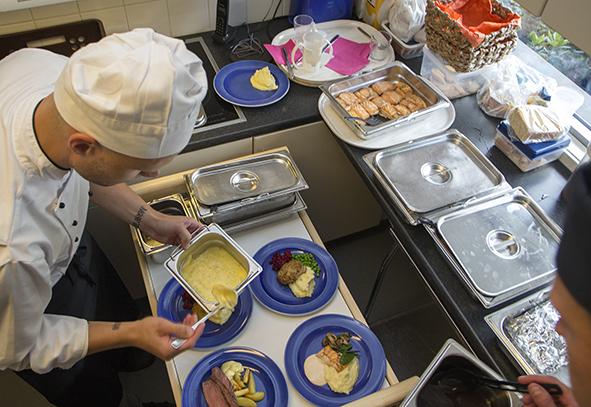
(267, 377)
(307, 340)
(279, 297)
(172, 306)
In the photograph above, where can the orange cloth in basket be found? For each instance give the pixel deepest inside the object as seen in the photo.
(476, 18)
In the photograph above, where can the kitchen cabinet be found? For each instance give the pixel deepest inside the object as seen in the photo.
(533, 6)
(338, 202)
(570, 21)
(112, 235)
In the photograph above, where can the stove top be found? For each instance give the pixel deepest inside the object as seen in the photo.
(219, 112)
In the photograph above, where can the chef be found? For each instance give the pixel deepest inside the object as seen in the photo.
(74, 130)
(571, 295)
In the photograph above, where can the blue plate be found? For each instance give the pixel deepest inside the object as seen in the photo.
(307, 340)
(278, 297)
(268, 377)
(170, 306)
(232, 83)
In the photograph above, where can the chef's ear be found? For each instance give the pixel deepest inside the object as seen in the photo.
(82, 144)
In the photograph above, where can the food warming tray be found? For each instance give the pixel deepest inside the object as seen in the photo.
(499, 322)
(242, 189)
(502, 244)
(498, 240)
(427, 177)
(399, 72)
(211, 235)
(171, 205)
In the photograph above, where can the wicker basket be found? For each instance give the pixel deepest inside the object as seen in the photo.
(445, 37)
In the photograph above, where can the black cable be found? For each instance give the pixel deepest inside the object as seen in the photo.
(268, 31)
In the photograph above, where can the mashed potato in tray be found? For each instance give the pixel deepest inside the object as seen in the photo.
(211, 267)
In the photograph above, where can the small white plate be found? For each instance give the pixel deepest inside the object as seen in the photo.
(433, 123)
(345, 29)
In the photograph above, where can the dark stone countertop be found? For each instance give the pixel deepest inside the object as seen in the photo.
(543, 184)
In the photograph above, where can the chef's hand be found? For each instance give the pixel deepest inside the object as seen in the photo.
(170, 229)
(154, 335)
(539, 397)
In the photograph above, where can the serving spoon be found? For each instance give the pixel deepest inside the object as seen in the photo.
(226, 298)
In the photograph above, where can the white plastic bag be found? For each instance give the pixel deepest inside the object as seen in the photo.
(510, 85)
(406, 18)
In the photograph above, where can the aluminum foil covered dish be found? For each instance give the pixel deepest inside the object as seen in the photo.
(532, 332)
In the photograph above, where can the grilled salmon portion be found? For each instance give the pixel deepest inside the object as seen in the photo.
(331, 358)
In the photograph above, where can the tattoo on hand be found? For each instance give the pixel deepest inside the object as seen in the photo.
(139, 216)
(116, 326)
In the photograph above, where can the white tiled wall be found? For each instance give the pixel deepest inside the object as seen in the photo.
(171, 17)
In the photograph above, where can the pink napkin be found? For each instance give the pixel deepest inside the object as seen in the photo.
(349, 56)
(275, 51)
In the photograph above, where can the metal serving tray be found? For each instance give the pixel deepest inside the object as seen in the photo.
(211, 235)
(498, 323)
(404, 50)
(452, 354)
(246, 180)
(171, 205)
(399, 72)
(432, 175)
(504, 244)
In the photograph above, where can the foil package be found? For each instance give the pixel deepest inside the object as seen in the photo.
(532, 332)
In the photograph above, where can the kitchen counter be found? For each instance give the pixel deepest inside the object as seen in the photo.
(543, 184)
(296, 108)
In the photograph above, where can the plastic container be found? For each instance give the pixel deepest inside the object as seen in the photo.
(404, 50)
(453, 84)
(530, 158)
(322, 10)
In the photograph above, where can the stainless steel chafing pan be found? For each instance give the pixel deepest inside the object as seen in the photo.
(395, 72)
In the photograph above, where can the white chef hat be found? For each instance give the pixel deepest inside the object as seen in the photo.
(137, 93)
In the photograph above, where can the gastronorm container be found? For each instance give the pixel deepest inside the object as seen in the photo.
(546, 350)
(397, 72)
(453, 355)
(404, 50)
(235, 192)
(171, 205)
(433, 174)
(210, 235)
(498, 240)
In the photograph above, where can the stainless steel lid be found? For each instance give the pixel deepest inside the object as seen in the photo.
(502, 244)
(436, 172)
(251, 178)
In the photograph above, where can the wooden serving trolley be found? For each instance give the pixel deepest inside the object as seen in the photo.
(266, 331)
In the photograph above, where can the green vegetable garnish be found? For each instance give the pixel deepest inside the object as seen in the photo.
(308, 260)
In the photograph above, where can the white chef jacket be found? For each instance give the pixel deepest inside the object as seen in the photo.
(42, 216)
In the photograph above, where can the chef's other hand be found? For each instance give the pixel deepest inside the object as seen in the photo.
(539, 397)
(170, 229)
(154, 335)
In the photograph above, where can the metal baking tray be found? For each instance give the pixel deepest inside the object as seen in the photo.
(502, 244)
(430, 176)
(451, 355)
(245, 180)
(402, 49)
(208, 236)
(399, 72)
(171, 205)
(498, 323)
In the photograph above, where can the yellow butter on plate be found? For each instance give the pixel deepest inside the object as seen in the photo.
(262, 79)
